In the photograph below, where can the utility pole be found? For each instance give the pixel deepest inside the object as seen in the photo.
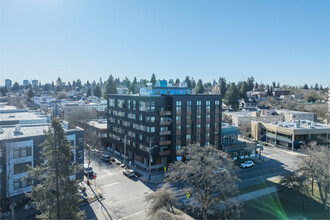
(125, 150)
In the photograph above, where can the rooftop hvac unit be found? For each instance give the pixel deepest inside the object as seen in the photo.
(17, 129)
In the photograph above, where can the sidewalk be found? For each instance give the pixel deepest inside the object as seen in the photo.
(91, 193)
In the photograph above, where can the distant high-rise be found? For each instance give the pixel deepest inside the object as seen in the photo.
(8, 83)
(26, 82)
(34, 82)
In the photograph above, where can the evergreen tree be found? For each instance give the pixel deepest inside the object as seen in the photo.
(153, 79)
(321, 88)
(126, 82)
(177, 82)
(30, 94)
(274, 85)
(171, 81)
(222, 86)
(199, 87)
(110, 87)
(135, 81)
(15, 87)
(131, 89)
(305, 86)
(256, 86)
(231, 97)
(56, 194)
(243, 90)
(250, 82)
(52, 87)
(78, 84)
(58, 84)
(89, 92)
(187, 80)
(316, 87)
(88, 84)
(278, 84)
(97, 91)
(193, 83)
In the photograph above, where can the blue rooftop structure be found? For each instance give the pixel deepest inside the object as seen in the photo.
(162, 88)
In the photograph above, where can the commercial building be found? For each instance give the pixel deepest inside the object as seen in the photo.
(12, 116)
(242, 119)
(19, 147)
(289, 115)
(291, 134)
(26, 82)
(164, 122)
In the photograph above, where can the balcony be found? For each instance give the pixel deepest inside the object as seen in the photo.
(208, 120)
(189, 112)
(168, 142)
(188, 131)
(162, 113)
(178, 113)
(165, 133)
(165, 122)
(199, 121)
(164, 153)
(188, 122)
(199, 112)
(208, 111)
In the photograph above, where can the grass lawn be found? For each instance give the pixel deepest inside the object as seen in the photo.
(256, 187)
(284, 205)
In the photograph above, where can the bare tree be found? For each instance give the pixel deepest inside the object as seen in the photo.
(209, 177)
(162, 199)
(315, 166)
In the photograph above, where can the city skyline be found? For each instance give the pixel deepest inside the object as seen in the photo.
(280, 41)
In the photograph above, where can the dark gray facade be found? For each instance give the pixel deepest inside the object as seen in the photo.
(169, 122)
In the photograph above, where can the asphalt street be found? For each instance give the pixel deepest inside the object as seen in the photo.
(123, 197)
(276, 162)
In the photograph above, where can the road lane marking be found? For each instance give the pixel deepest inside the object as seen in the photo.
(136, 213)
(109, 185)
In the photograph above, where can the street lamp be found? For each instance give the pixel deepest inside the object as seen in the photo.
(124, 148)
(150, 149)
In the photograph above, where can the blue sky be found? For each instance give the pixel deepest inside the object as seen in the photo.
(272, 40)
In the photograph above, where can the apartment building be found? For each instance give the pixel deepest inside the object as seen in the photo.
(164, 122)
(19, 146)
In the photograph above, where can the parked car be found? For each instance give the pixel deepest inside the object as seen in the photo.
(88, 171)
(129, 173)
(105, 157)
(247, 163)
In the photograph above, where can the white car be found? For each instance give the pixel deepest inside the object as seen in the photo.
(248, 163)
(129, 173)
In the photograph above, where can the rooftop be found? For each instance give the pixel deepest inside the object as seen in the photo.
(300, 124)
(14, 116)
(100, 123)
(23, 131)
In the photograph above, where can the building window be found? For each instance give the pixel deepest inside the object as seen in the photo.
(207, 143)
(207, 134)
(178, 127)
(178, 108)
(178, 147)
(0, 153)
(0, 168)
(140, 137)
(188, 117)
(152, 129)
(188, 105)
(188, 137)
(22, 183)
(152, 106)
(208, 116)
(208, 125)
(198, 125)
(128, 104)
(188, 126)
(178, 103)
(23, 152)
(198, 116)
(141, 118)
(134, 104)
(80, 155)
(178, 137)
(21, 168)
(178, 118)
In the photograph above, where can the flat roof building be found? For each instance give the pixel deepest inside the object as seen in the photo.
(168, 122)
(291, 134)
